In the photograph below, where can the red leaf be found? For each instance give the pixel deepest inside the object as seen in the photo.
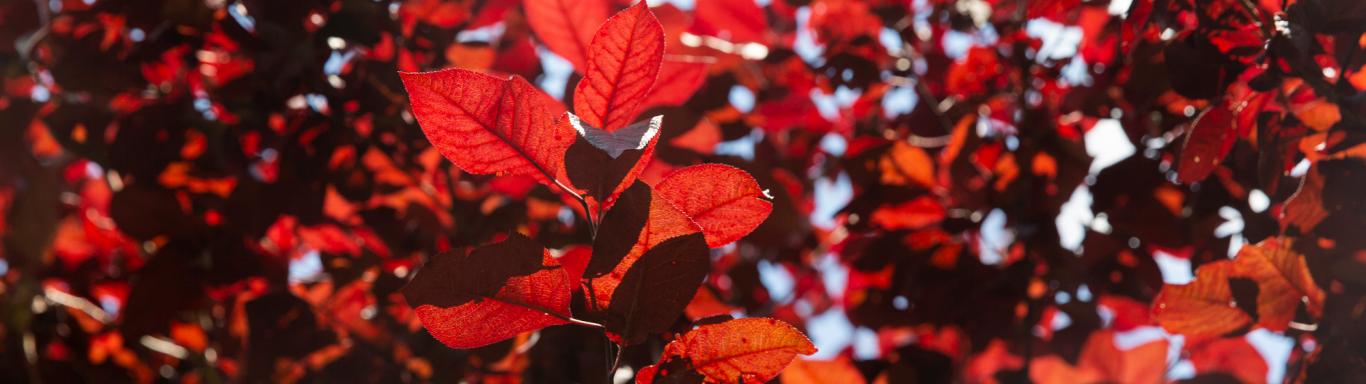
(914, 214)
(491, 294)
(657, 287)
(1211, 137)
(486, 125)
(1283, 281)
(566, 26)
(682, 79)
(750, 350)
(743, 21)
(1233, 356)
(623, 63)
(1202, 309)
(1052, 9)
(663, 222)
(575, 260)
(725, 201)
(605, 163)
(1135, 22)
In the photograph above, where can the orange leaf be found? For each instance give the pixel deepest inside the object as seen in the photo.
(1233, 356)
(491, 294)
(839, 370)
(1202, 309)
(750, 350)
(623, 62)
(1283, 281)
(1102, 361)
(905, 164)
(490, 125)
(1145, 363)
(915, 214)
(1305, 208)
(725, 201)
(1318, 114)
(566, 26)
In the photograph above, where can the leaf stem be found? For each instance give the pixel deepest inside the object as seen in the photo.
(616, 363)
(587, 212)
(585, 323)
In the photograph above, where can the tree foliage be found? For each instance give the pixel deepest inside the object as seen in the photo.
(799, 191)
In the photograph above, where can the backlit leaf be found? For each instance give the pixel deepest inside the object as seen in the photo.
(681, 81)
(623, 62)
(490, 125)
(739, 21)
(1234, 356)
(490, 294)
(749, 350)
(905, 164)
(725, 201)
(566, 26)
(1283, 281)
(839, 370)
(1202, 309)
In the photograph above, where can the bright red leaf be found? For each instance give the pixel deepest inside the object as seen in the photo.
(566, 26)
(623, 62)
(681, 80)
(742, 21)
(725, 201)
(490, 125)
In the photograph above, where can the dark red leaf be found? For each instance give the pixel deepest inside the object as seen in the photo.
(1211, 137)
(657, 287)
(619, 230)
(623, 63)
(604, 163)
(663, 222)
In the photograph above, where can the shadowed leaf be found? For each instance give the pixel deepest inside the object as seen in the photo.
(491, 294)
(658, 286)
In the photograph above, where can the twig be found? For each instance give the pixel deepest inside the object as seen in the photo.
(616, 363)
